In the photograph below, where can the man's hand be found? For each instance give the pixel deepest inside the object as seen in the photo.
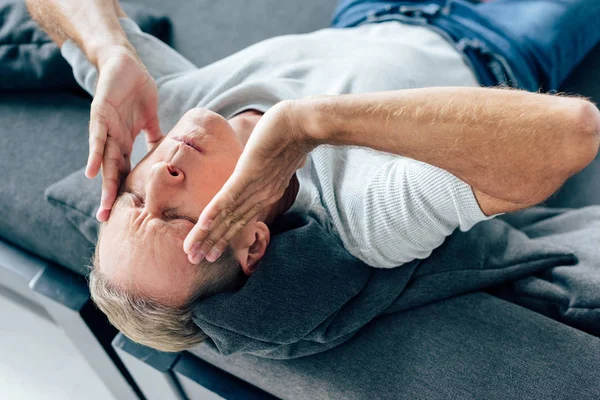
(126, 99)
(126, 102)
(275, 150)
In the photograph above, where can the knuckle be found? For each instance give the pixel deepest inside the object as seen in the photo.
(269, 198)
(98, 110)
(258, 206)
(110, 181)
(231, 219)
(222, 244)
(97, 152)
(231, 199)
(239, 226)
(209, 242)
(98, 140)
(197, 234)
(112, 159)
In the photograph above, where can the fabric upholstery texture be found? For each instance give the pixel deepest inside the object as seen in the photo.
(469, 347)
(43, 138)
(299, 303)
(30, 60)
(474, 346)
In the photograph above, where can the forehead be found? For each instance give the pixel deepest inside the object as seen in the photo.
(148, 258)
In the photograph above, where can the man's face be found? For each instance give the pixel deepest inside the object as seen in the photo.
(142, 242)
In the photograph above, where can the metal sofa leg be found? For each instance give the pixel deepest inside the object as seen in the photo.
(181, 376)
(65, 296)
(203, 381)
(151, 369)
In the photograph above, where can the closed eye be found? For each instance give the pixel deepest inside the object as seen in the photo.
(167, 214)
(170, 217)
(137, 198)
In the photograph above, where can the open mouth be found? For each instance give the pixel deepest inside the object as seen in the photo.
(189, 142)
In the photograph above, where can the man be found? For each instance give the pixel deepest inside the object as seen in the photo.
(302, 122)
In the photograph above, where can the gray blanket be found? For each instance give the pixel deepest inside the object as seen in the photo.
(319, 300)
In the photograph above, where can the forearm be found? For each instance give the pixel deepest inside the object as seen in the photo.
(92, 24)
(511, 145)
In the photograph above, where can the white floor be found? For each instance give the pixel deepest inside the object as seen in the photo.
(37, 362)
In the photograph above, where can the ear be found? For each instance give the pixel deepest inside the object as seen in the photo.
(251, 245)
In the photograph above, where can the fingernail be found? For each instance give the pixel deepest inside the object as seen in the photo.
(197, 257)
(213, 255)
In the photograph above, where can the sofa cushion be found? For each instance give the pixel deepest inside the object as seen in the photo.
(30, 60)
(469, 347)
(43, 138)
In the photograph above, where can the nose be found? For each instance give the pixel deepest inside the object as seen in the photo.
(164, 179)
(165, 174)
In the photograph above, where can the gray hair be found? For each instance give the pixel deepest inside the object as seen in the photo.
(153, 324)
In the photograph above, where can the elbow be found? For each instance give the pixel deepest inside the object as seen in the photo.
(583, 139)
(580, 140)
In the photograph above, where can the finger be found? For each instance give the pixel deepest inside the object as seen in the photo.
(125, 143)
(97, 141)
(102, 215)
(219, 229)
(111, 167)
(221, 244)
(153, 133)
(150, 114)
(233, 221)
(226, 199)
(202, 228)
(215, 238)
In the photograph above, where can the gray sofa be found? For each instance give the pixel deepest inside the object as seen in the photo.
(472, 346)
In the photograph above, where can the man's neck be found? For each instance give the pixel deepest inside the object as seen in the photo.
(243, 124)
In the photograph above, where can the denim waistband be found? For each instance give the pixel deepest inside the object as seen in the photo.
(485, 50)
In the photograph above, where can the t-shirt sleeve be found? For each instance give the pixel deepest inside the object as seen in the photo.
(160, 59)
(407, 210)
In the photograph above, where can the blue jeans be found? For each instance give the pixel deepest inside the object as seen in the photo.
(528, 44)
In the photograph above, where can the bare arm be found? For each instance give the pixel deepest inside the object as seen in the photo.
(92, 24)
(514, 148)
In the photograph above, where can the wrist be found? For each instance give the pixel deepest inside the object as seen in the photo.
(99, 51)
(313, 115)
(112, 50)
